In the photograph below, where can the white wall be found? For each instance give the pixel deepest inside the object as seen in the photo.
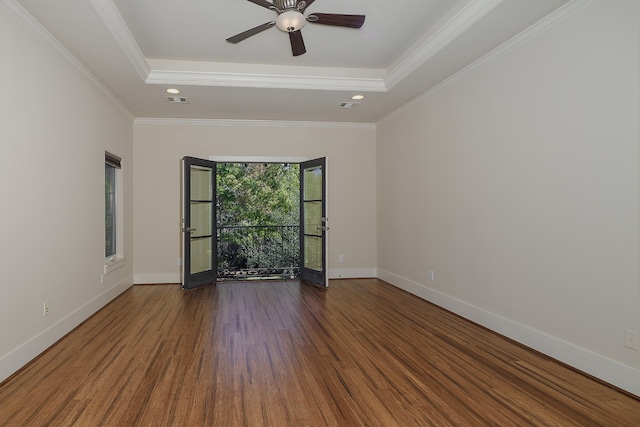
(518, 185)
(159, 146)
(56, 127)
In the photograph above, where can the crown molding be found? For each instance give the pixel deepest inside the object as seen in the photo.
(252, 123)
(203, 73)
(228, 79)
(111, 17)
(20, 15)
(534, 31)
(449, 31)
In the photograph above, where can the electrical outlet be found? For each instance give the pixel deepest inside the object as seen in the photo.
(631, 339)
(179, 262)
(340, 258)
(432, 275)
(45, 308)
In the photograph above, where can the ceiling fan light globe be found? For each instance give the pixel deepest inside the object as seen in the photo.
(290, 21)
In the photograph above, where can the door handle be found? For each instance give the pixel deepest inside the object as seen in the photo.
(188, 230)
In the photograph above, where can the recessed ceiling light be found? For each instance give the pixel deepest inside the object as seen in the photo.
(356, 97)
(173, 91)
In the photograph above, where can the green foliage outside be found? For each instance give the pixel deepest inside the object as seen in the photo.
(255, 202)
(256, 194)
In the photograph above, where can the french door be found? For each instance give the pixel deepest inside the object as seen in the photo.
(199, 226)
(200, 245)
(313, 222)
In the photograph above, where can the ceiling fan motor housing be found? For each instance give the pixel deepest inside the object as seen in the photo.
(285, 4)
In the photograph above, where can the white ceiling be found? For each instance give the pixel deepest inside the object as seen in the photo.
(139, 48)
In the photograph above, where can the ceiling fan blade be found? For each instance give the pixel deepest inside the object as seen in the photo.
(297, 44)
(263, 3)
(339, 20)
(252, 32)
(307, 4)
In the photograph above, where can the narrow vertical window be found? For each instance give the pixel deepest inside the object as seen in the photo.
(111, 163)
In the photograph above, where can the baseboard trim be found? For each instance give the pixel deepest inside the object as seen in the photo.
(596, 365)
(148, 279)
(351, 273)
(16, 359)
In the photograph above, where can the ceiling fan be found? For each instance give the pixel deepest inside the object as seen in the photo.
(291, 19)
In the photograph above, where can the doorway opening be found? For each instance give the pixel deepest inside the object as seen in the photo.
(259, 217)
(258, 221)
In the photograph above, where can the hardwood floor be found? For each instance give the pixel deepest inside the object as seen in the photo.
(361, 353)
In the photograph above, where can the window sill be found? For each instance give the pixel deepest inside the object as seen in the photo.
(113, 263)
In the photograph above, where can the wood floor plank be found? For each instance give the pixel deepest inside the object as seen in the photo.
(361, 353)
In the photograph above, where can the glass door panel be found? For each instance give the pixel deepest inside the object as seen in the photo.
(313, 218)
(199, 231)
(313, 253)
(313, 222)
(313, 179)
(200, 255)
(201, 218)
